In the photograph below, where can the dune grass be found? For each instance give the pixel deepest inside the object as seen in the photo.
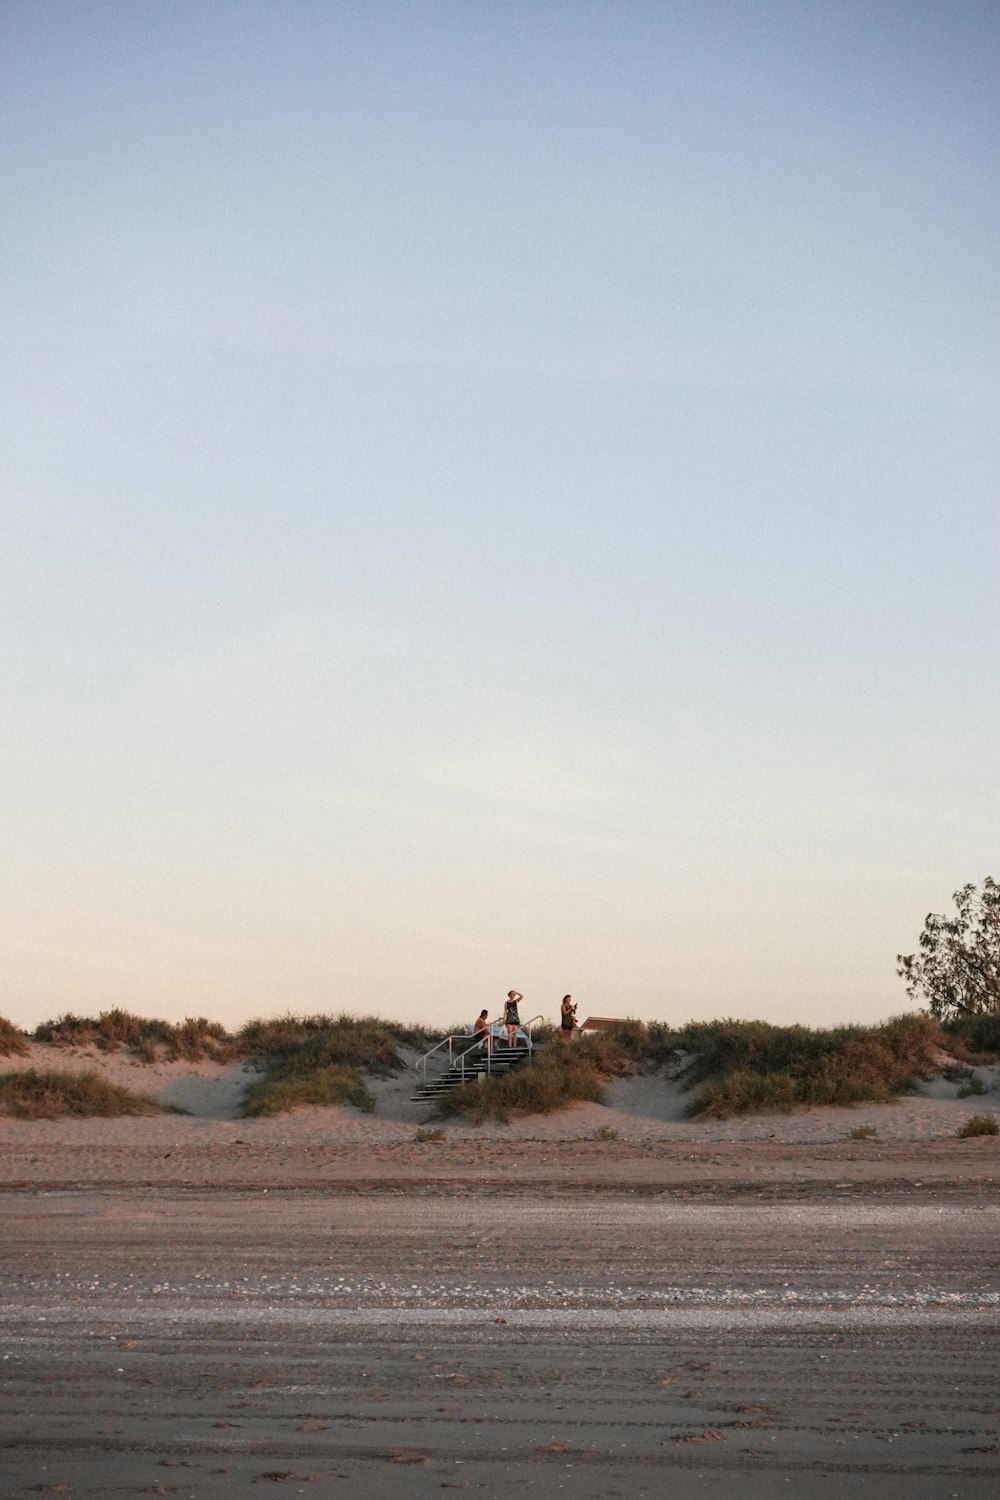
(978, 1125)
(303, 1043)
(329, 1085)
(743, 1067)
(558, 1076)
(731, 1067)
(13, 1041)
(319, 1060)
(46, 1094)
(149, 1039)
(784, 1068)
(734, 1067)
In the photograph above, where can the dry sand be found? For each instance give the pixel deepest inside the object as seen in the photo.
(653, 1144)
(201, 1343)
(210, 1307)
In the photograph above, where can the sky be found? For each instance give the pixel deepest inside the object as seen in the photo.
(494, 496)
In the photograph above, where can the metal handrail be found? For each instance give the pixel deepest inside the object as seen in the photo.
(446, 1041)
(465, 1036)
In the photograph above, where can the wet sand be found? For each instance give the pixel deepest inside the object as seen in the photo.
(739, 1322)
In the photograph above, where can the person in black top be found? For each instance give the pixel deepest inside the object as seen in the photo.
(567, 1017)
(511, 1019)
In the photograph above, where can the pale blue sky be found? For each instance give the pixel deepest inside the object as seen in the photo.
(495, 495)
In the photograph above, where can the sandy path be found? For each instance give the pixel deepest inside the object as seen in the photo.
(194, 1343)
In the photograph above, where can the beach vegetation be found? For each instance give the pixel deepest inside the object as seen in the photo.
(731, 1067)
(46, 1094)
(13, 1041)
(748, 1066)
(151, 1040)
(976, 1038)
(862, 1133)
(978, 1125)
(557, 1077)
(279, 1093)
(318, 1060)
(429, 1134)
(304, 1043)
(956, 970)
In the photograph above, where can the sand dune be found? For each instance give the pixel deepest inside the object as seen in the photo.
(643, 1107)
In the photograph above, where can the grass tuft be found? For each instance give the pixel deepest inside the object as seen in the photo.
(424, 1134)
(746, 1066)
(276, 1095)
(317, 1060)
(978, 1125)
(862, 1133)
(559, 1076)
(193, 1039)
(302, 1043)
(38, 1094)
(13, 1041)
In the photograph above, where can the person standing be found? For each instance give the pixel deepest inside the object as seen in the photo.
(511, 1018)
(567, 1018)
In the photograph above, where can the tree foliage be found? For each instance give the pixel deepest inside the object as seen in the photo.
(957, 970)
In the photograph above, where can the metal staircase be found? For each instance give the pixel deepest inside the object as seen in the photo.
(459, 1059)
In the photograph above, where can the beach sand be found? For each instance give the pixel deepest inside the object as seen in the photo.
(207, 1306)
(652, 1140)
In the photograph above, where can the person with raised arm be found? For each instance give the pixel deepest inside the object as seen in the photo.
(511, 1019)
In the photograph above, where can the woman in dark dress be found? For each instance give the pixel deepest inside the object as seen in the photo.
(567, 1019)
(511, 1019)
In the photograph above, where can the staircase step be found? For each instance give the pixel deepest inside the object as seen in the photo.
(471, 1066)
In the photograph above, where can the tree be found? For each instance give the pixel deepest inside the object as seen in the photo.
(957, 971)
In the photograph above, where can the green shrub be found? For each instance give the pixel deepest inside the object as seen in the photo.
(600, 1051)
(424, 1135)
(604, 1133)
(329, 1085)
(38, 1094)
(417, 1038)
(631, 1036)
(303, 1043)
(558, 1076)
(543, 1033)
(663, 1043)
(974, 1085)
(316, 1060)
(979, 1035)
(751, 1065)
(743, 1091)
(13, 1041)
(978, 1125)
